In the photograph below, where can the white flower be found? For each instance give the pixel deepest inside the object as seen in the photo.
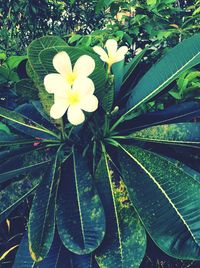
(113, 54)
(72, 89)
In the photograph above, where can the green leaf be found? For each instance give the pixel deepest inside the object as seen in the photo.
(130, 67)
(10, 139)
(125, 241)
(118, 71)
(151, 2)
(181, 133)
(36, 68)
(4, 74)
(80, 215)
(58, 256)
(41, 225)
(14, 61)
(13, 173)
(26, 89)
(36, 47)
(182, 57)
(4, 128)
(15, 193)
(166, 197)
(26, 125)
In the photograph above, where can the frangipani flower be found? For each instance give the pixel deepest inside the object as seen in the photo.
(83, 67)
(72, 89)
(113, 54)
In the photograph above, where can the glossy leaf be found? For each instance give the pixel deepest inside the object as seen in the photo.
(118, 72)
(182, 57)
(80, 215)
(41, 226)
(130, 67)
(26, 125)
(181, 133)
(166, 197)
(125, 241)
(182, 112)
(26, 89)
(22, 170)
(15, 193)
(58, 256)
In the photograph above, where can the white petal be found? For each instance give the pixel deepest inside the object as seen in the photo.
(111, 46)
(62, 63)
(84, 86)
(89, 104)
(101, 52)
(121, 52)
(84, 66)
(75, 115)
(55, 83)
(57, 110)
(61, 100)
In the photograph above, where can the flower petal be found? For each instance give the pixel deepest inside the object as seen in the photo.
(84, 86)
(111, 46)
(101, 52)
(57, 110)
(75, 115)
(89, 104)
(55, 83)
(62, 63)
(121, 52)
(84, 66)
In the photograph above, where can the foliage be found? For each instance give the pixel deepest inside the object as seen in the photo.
(100, 187)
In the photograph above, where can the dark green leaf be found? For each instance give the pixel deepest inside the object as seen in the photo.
(26, 89)
(29, 168)
(58, 256)
(80, 215)
(130, 67)
(181, 133)
(177, 113)
(26, 125)
(15, 193)
(182, 57)
(125, 241)
(41, 225)
(166, 197)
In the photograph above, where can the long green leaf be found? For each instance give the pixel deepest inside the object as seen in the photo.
(80, 215)
(181, 133)
(15, 193)
(125, 241)
(29, 168)
(130, 67)
(58, 257)
(41, 226)
(28, 126)
(182, 57)
(166, 197)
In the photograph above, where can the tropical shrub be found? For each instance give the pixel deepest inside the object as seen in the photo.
(88, 151)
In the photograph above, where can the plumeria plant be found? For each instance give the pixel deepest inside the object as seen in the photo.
(91, 156)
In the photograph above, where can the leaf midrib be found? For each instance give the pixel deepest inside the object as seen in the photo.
(162, 190)
(115, 208)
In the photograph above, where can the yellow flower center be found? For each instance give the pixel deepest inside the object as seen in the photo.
(73, 97)
(71, 77)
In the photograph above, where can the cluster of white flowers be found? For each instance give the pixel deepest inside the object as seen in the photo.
(72, 88)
